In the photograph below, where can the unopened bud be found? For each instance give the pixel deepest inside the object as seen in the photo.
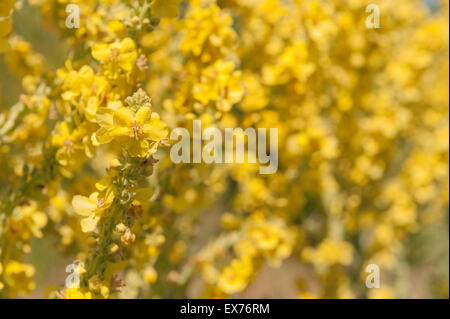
(113, 248)
(135, 20)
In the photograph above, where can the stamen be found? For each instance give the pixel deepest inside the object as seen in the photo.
(68, 146)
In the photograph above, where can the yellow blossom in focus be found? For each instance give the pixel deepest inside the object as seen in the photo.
(138, 132)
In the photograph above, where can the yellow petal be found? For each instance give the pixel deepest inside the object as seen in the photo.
(128, 61)
(102, 136)
(143, 115)
(109, 197)
(127, 44)
(119, 131)
(65, 131)
(89, 224)
(82, 205)
(123, 117)
(94, 197)
(100, 51)
(57, 140)
(155, 130)
(104, 183)
(114, 105)
(62, 157)
(117, 27)
(91, 109)
(104, 117)
(137, 148)
(86, 73)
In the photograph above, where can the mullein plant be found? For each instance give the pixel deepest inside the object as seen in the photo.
(362, 118)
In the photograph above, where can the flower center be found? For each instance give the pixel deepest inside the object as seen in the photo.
(100, 202)
(68, 145)
(114, 54)
(136, 130)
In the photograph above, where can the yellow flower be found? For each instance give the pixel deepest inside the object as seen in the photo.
(207, 32)
(116, 58)
(28, 220)
(73, 145)
(220, 83)
(265, 236)
(91, 208)
(83, 89)
(138, 132)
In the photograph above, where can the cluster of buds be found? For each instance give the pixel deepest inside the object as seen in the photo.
(126, 236)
